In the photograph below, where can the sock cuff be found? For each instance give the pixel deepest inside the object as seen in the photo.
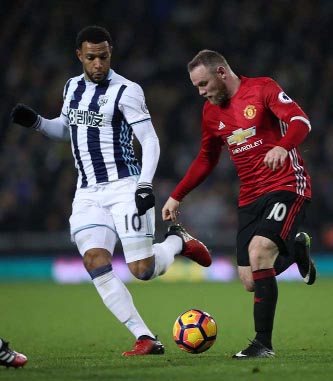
(264, 273)
(100, 271)
(148, 273)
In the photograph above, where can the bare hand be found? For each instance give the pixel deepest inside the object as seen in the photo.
(275, 158)
(170, 210)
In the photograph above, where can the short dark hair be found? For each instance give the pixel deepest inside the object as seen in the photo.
(94, 34)
(208, 58)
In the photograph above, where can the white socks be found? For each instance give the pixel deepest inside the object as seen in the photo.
(119, 301)
(165, 254)
(116, 296)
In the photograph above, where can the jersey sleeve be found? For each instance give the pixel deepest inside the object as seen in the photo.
(133, 105)
(289, 112)
(202, 166)
(148, 139)
(282, 106)
(65, 104)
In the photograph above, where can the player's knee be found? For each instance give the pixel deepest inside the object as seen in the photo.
(146, 275)
(245, 275)
(248, 285)
(256, 255)
(95, 258)
(143, 269)
(262, 253)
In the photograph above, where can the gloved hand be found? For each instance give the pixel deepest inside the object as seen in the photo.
(24, 116)
(144, 198)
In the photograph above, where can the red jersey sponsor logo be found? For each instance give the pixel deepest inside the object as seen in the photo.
(240, 136)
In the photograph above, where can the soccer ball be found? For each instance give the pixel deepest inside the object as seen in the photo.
(194, 331)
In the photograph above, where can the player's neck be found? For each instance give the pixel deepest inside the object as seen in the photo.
(234, 84)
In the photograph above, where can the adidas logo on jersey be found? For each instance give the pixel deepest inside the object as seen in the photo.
(221, 125)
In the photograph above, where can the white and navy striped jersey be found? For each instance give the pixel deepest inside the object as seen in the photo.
(100, 117)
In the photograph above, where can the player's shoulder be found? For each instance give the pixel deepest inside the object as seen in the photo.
(119, 80)
(73, 83)
(257, 81)
(260, 86)
(75, 79)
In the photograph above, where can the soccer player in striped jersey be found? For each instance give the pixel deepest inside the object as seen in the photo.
(262, 128)
(10, 358)
(101, 114)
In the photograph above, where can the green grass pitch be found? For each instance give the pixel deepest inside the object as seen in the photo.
(68, 334)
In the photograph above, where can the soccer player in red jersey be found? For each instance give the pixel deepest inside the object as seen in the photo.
(262, 128)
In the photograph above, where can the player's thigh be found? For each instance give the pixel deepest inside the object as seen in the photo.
(247, 223)
(96, 237)
(88, 211)
(282, 216)
(262, 253)
(135, 232)
(276, 216)
(91, 225)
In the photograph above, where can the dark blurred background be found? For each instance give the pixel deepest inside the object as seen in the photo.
(153, 41)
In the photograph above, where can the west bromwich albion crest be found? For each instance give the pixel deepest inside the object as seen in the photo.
(102, 100)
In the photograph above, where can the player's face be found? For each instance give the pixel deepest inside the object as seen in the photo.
(96, 59)
(210, 85)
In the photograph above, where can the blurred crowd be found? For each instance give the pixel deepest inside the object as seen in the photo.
(153, 41)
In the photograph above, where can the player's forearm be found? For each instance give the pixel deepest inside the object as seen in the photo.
(199, 170)
(150, 156)
(150, 147)
(297, 131)
(55, 129)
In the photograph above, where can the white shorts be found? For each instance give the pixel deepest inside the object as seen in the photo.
(105, 212)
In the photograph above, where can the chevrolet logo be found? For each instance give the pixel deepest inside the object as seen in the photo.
(240, 136)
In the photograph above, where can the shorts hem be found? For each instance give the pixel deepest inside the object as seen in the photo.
(90, 226)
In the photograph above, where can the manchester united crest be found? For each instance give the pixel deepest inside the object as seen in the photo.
(250, 112)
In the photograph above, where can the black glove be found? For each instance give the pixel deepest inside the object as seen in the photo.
(24, 116)
(144, 198)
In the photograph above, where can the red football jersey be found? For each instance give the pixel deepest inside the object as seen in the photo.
(254, 120)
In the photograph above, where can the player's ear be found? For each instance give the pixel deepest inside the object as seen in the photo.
(79, 54)
(221, 71)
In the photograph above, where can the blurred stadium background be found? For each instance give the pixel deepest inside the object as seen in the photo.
(153, 41)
